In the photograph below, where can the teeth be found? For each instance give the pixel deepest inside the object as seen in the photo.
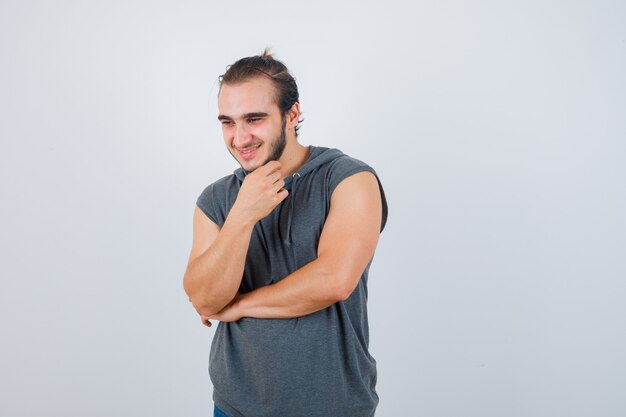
(248, 150)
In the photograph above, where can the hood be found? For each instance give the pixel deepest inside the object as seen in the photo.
(318, 156)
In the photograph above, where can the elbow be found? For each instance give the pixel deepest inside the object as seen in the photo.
(186, 288)
(341, 286)
(205, 306)
(338, 278)
(344, 294)
(187, 285)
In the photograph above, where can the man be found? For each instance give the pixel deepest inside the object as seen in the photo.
(280, 257)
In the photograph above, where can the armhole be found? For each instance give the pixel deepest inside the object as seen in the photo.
(205, 204)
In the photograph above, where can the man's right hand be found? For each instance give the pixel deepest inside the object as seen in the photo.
(261, 191)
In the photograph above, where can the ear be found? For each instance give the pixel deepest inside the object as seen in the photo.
(293, 115)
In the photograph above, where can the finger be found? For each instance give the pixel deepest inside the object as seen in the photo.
(282, 194)
(278, 185)
(275, 176)
(271, 166)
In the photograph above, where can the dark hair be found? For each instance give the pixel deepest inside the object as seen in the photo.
(265, 65)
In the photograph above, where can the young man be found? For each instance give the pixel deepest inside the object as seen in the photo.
(280, 257)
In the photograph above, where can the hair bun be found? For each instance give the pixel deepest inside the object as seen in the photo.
(267, 54)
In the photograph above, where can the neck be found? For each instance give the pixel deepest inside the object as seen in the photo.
(294, 156)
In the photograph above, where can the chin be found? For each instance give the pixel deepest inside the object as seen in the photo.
(251, 165)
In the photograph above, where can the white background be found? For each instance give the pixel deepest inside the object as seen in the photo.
(497, 129)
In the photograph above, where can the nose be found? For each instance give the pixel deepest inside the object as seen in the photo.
(242, 136)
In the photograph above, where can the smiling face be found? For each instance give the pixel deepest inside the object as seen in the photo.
(254, 130)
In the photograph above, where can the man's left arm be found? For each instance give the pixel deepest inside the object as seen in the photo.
(347, 244)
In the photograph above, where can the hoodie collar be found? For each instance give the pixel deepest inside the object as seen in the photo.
(318, 155)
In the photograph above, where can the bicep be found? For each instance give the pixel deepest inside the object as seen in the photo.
(205, 232)
(352, 228)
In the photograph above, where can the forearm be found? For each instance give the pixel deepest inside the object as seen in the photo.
(213, 278)
(311, 288)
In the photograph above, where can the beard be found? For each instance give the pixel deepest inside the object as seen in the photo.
(278, 145)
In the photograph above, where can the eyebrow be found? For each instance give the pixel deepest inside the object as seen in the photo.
(244, 116)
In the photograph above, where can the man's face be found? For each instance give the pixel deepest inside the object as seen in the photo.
(253, 127)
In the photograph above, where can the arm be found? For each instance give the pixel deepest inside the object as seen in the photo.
(217, 257)
(216, 262)
(347, 244)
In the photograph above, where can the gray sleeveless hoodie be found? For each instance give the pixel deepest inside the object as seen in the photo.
(315, 365)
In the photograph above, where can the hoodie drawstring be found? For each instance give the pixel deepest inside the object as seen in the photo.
(287, 238)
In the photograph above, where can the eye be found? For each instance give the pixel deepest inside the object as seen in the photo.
(227, 122)
(254, 119)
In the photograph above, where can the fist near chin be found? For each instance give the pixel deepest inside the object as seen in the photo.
(261, 191)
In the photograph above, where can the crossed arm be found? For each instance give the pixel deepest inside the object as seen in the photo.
(347, 244)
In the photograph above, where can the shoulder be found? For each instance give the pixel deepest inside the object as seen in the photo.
(216, 198)
(343, 167)
(346, 161)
